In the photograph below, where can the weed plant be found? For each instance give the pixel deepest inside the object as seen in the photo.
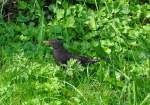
(118, 29)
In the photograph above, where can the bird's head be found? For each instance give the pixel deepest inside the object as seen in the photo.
(54, 43)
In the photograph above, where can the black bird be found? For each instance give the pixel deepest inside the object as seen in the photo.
(61, 55)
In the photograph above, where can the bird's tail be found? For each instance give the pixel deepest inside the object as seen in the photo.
(103, 59)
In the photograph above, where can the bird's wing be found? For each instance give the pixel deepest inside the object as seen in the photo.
(84, 60)
(62, 56)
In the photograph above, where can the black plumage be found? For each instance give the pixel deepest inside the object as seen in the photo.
(61, 55)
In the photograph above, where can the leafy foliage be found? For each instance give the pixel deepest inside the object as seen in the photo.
(118, 29)
(24, 76)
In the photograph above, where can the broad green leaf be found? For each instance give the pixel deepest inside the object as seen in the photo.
(92, 24)
(60, 14)
(22, 5)
(70, 22)
(146, 27)
(56, 29)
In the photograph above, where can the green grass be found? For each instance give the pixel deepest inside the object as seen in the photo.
(116, 29)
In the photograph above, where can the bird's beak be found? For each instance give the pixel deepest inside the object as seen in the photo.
(47, 42)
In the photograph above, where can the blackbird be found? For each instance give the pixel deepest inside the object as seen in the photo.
(61, 55)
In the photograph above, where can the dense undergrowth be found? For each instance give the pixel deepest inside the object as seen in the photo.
(118, 29)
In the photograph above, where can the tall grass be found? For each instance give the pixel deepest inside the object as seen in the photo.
(118, 29)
